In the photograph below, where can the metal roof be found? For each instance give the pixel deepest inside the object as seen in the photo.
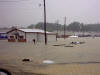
(31, 30)
(34, 30)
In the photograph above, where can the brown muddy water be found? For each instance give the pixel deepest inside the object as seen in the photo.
(69, 59)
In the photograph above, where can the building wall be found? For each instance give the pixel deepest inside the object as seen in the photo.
(13, 32)
(31, 36)
(40, 37)
(51, 38)
(21, 33)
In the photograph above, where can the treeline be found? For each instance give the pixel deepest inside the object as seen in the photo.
(50, 26)
(74, 26)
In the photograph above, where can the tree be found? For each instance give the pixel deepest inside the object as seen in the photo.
(50, 26)
(31, 26)
(40, 25)
(74, 26)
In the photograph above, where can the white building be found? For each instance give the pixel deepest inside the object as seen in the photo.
(28, 35)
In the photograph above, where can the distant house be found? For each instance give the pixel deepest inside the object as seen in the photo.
(28, 35)
(3, 33)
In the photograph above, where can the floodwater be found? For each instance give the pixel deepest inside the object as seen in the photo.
(69, 59)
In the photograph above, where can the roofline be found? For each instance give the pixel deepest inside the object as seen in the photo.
(11, 30)
(42, 33)
(14, 29)
(31, 32)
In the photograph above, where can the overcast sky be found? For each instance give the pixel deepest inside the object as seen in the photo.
(26, 12)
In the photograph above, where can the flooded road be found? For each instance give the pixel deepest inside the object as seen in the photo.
(66, 57)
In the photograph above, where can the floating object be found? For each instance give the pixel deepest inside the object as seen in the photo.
(68, 46)
(73, 36)
(82, 42)
(77, 43)
(26, 60)
(48, 62)
(60, 45)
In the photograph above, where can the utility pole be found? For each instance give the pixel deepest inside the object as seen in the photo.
(57, 29)
(45, 23)
(57, 26)
(64, 27)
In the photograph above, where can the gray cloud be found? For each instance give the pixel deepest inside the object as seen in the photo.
(25, 12)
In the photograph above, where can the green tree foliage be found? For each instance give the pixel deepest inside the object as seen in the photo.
(74, 26)
(77, 26)
(50, 26)
(31, 26)
(92, 27)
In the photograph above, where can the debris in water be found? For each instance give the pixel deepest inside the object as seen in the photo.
(68, 46)
(26, 60)
(82, 42)
(77, 43)
(60, 45)
(48, 62)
